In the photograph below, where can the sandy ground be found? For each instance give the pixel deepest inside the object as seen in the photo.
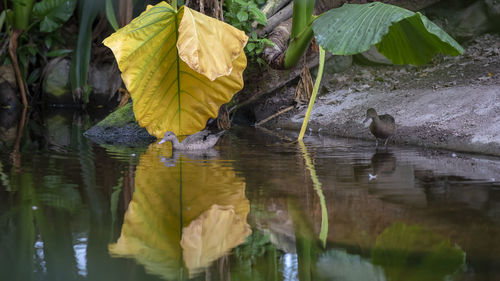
(452, 103)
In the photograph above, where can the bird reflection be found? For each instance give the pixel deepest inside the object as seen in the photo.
(383, 163)
(204, 154)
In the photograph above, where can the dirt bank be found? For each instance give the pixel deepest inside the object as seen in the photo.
(453, 103)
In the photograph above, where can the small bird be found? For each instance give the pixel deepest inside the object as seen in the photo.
(382, 126)
(201, 140)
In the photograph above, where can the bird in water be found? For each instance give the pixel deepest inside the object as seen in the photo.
(382, 126)
(201, 140)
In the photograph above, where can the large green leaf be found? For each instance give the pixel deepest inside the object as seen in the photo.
(179, 67)
(401, 35)
(53, 13)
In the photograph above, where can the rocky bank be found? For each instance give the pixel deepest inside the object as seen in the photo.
(452, 103)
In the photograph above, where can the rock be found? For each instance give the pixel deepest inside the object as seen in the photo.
(58, 129)
(120, 128)
(8, 86)
(105, 80)
(337, 64)
(8, 128)
(7, 75)
(460, 22)
(56, 85)
(493, 9)
(372, 57)
(8, 97)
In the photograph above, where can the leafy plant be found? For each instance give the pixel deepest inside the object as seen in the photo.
(401, 35)
(241, 14)
(255, 47)
(87, 12)
(48, 16)
(179, 67)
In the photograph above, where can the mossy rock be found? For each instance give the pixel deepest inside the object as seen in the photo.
(120, 128)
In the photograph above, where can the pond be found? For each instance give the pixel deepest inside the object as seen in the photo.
(254, 208)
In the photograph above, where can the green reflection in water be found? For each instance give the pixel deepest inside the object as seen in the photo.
(257, 259)
(184, 214)
(323, 233)
(412, 252)
(4, 178)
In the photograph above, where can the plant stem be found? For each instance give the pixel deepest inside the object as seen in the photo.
(301, 34)
(302, 15)
(22, 11)
(15, 63)
(297, 47)
(314, 93)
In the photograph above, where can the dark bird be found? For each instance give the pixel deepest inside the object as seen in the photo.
(200, 140)
(382, 126)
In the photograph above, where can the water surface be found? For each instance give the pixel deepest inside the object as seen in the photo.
(254, 208)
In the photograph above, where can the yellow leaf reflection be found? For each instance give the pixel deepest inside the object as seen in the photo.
(200, 202)
(211, 236)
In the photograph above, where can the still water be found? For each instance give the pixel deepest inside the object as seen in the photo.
(253, 208)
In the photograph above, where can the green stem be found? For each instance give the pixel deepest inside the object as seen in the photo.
(22, 11)
(314, 93)
(302, 32)
(174, 5)
(302, 15)
(298, 46)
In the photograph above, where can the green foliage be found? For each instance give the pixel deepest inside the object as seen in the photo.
(33, 56)
(3, 15)
(257, 259)
(255, 46)
(110, 15)
(52, 14)
(254, 247)
(36, 45)
(241, 14)
(87, 11)
(401, 35)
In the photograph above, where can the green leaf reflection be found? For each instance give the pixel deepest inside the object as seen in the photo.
(411, 252)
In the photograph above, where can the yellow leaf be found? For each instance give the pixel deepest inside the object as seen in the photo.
(168, 95)
(177, 198)
(207, 52)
